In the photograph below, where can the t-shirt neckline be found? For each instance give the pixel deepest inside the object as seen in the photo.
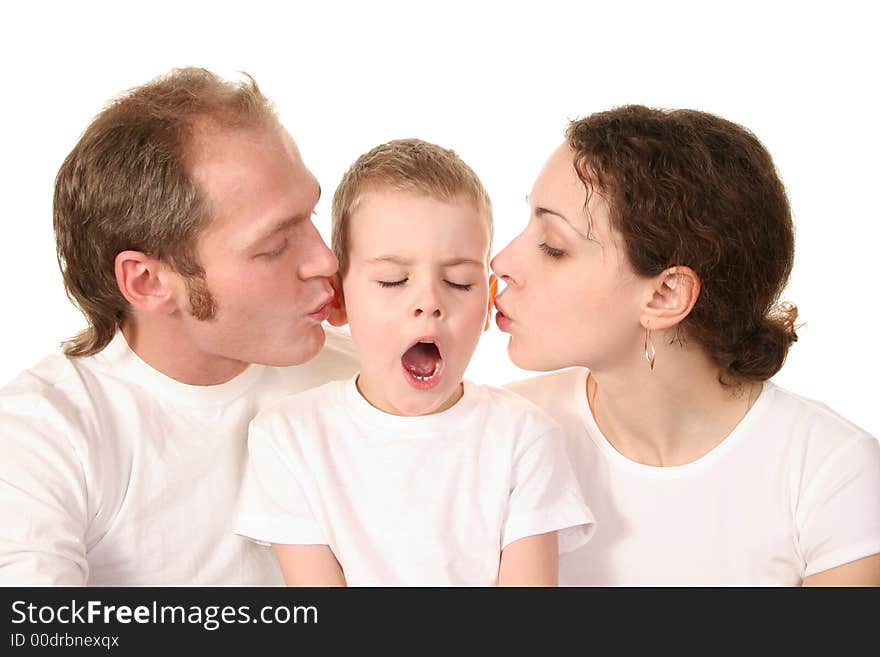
(123, 361)
(728, 443)
(409, 426)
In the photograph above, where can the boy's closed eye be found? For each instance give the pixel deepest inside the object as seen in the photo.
(456, 286)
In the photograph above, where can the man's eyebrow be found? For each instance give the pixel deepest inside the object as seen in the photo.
(282, 224)
(277, 227)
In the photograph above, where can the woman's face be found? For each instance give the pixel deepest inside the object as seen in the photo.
(572, 298)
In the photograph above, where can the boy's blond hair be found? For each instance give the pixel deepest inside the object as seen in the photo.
(407, 165)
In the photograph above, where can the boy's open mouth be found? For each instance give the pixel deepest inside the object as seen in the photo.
(423, 361)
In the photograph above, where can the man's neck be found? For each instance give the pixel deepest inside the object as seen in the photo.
(671, 415)
(166, 348)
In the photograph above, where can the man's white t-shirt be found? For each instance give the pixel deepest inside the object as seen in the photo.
(428, 500)
(793, 490)
(113, 474)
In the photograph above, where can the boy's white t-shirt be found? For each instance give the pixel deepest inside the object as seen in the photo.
(427, 501)
(793, 490)
(113, 474)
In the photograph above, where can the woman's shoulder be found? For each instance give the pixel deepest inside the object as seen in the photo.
(816, 430)
(560, 388)
(507, 403)
(801, 409)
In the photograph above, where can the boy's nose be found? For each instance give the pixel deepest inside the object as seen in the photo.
(428, 304)
(426, 309)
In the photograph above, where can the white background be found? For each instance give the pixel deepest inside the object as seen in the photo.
(497, 82)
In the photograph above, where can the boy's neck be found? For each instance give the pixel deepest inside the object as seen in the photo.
(379, 401)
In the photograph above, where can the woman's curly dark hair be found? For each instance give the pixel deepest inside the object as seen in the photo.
(690, 188)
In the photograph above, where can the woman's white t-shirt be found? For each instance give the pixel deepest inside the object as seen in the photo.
(793, 490)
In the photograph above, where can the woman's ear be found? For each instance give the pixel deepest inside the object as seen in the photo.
(338, 316)
(145, 282)
(670, 298)
(493, 290)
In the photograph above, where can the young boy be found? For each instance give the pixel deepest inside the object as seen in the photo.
(406, 474)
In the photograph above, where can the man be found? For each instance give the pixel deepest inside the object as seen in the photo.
(184, 234)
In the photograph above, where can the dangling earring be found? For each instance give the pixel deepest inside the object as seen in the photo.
(650, 352)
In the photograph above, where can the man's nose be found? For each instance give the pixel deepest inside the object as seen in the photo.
(318, 259)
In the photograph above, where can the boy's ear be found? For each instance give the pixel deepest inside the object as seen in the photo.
(493, 290)
(338, 316)
(671, 297)
(145, 282)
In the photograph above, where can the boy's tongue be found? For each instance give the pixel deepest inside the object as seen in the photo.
(421, 358)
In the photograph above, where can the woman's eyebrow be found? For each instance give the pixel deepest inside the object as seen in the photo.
(541, 211)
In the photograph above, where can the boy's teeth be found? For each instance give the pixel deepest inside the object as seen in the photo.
(430, 376)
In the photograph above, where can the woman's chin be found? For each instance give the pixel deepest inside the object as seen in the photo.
(529, 360)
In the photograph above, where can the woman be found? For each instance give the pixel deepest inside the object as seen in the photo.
(656, 250)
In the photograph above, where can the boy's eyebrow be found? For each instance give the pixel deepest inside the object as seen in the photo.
(406, 262)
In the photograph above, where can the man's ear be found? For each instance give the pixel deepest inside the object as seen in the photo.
(670, 298)
(493, 290)
(145, 282)
(338, 316)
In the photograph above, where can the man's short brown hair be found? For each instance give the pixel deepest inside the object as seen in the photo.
(126, 185)
(407, 165)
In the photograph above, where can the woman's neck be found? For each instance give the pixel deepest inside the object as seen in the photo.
(671, 415)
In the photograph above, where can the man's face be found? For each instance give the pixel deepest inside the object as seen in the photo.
(266, 266)
(416, 294)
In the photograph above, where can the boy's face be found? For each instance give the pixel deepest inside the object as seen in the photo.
(417, 273)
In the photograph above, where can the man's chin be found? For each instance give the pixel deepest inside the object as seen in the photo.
(306, 346)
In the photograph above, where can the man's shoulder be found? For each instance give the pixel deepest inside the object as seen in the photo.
(49, 403)
(338, 349)
(304, 406)
(54, 379)
(336, 361)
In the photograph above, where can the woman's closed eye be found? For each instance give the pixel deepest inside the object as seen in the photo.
(551, 251)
